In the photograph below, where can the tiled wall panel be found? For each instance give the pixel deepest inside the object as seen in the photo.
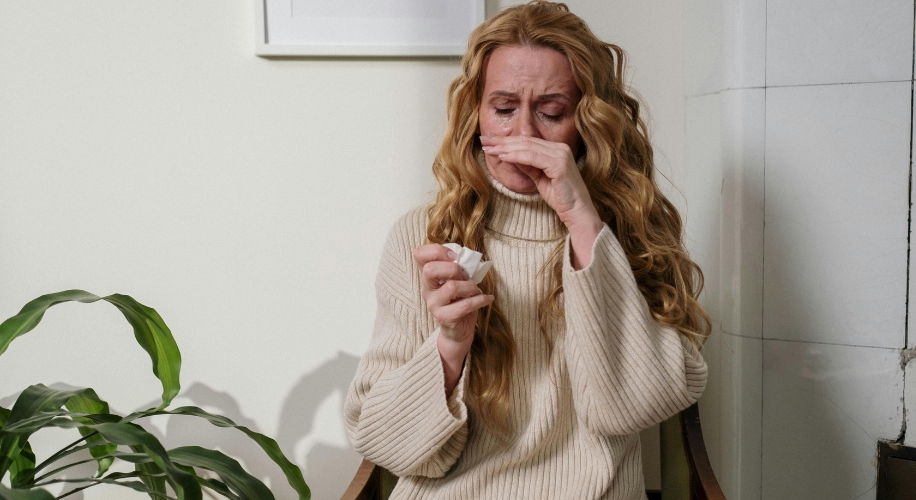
(837, 171)
(703, 47)
(742, 386)
(838, 41)
(824, 409)
(711, 409)
(703, 176)
(743, 43)
(702, 188)
(703, 179)
(742, 211)
(825, 165)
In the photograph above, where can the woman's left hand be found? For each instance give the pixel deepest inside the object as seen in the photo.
(553, 169)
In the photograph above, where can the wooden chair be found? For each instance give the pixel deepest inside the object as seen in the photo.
(686, 471)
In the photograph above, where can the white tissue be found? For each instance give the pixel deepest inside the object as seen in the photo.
(470, 262)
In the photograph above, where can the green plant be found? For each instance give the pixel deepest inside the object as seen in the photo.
(108, 437)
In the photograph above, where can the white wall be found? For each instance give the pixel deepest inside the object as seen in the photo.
(145, 150)
(802, 111)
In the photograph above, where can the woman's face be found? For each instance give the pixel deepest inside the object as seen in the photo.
(527, 91)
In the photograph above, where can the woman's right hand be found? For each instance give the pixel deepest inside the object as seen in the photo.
(454, 302)
(449, 296)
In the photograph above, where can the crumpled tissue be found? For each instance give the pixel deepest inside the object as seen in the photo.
(470, 262)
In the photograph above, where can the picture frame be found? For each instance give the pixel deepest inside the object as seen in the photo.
(365, 28)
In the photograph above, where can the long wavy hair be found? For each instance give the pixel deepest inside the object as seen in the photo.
(618, 170)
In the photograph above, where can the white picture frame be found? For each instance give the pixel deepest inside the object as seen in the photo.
(365, 28)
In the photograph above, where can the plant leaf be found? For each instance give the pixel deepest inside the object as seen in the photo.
(141, 441)
(218, 486)
(214, 484)
(35, 405)
(30, 314)
(228, 469)
(112, 479)
(270, 446)
(156, 339)
(81, 421)
(39, 407)
(89, 402)
(23, 467)
(17, 494)
(152, 478)
(36, 422)
(150, 331)
(139, 486)
(136, 437)
(134, 458)
(22, 471)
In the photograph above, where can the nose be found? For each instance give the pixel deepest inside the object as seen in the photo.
(526, 123)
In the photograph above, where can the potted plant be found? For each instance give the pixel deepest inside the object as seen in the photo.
(161, 473)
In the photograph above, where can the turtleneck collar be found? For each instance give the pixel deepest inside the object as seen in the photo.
(523, 216)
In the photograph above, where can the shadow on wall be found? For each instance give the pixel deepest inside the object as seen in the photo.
(328, 467)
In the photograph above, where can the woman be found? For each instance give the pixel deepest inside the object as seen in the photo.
(535, 383)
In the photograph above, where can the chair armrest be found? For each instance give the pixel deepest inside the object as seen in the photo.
(703, 483)
(365, 484)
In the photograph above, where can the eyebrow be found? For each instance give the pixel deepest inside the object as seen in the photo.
(513, 95)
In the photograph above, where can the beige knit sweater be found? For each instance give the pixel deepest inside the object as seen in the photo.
(575, 416)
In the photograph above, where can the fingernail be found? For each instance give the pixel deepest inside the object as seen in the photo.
(452, 255)
(441, 282)
(485, 148)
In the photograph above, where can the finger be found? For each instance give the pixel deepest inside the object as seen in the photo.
(449, 292)
(515, 142)
(547, 148)
(457, 310)
(552, 167)
(506, 139)
(554, 157)
(533, 173)
(436, 273)
(433, 252)
(529, 158)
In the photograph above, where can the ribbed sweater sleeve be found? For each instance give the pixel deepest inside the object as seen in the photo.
(628, 372)
(396, 411)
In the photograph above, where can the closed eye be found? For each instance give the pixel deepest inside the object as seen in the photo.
(504, 111)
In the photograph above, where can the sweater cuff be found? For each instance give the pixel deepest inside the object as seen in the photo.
(428, 377)
(406, 421)
(606, 249)
(455, 402)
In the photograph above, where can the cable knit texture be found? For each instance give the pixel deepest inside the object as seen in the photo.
(575, 416)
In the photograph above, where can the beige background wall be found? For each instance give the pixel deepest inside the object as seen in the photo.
(145, 150)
